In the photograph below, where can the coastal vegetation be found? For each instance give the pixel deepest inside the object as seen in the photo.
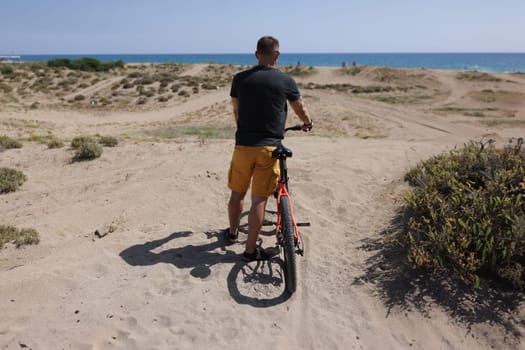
(465, 213)
(88, 147)
(11, 180)
(477, 76)
(18, 236)
(85, 64)
(88, 83)
(299, 70)
(7, 142)
(87, 151)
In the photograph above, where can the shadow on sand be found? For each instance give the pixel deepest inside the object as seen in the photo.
(201, 258)
(403, 288)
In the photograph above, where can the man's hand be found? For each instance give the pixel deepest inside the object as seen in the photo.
(308, 126)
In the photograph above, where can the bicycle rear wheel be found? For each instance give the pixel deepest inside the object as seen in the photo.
(290, 268)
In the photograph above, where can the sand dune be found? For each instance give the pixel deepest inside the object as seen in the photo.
(163, 277)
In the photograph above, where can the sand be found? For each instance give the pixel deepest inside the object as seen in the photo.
(162, 277)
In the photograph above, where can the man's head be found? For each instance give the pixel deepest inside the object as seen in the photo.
(267, 50)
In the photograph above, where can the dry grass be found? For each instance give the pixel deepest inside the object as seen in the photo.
(138, 86)
(498, 96)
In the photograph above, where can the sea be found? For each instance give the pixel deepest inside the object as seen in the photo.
(484, 62)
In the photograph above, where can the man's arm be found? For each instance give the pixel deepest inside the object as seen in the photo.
(301, 111)
(235, 104)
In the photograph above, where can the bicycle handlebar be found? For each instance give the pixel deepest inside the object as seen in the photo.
(296, 127)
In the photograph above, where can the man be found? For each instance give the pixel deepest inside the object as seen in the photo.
(259, 98)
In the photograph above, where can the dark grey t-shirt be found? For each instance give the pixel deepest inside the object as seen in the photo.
(262, 93)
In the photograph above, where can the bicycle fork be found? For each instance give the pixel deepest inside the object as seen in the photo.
(298, 240)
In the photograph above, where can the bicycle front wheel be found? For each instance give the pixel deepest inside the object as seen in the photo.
(290, 268)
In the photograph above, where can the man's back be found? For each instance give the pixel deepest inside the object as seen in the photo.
(262, 93)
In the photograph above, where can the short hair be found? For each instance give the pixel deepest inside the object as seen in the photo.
(267, 45)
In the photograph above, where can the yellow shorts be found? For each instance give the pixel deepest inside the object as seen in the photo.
(256, 164)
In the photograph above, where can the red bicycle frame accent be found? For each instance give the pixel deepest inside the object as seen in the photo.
(282, 192)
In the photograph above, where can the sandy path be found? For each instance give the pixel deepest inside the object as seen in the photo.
(132, 288)
(164, 277)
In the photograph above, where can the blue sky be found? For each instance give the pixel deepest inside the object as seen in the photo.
(233, 26)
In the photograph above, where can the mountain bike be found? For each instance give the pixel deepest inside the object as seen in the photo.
(286, 228)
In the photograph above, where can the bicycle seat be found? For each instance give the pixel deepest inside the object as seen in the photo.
(282, 152)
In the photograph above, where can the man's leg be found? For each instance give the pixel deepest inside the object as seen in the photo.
(255, 221)
(235, 206)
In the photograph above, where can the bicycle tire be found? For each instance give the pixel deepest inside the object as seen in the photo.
(288, 243)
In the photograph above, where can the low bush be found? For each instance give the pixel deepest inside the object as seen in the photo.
(108, 141)
(19, 237)
(353, 71)
(175, 87)
(9, 143)
(7, 70)
(54, 143)
(86, 64)
(476, 76)
(184, 93)
(5, 88)
(209, 86)
(300, 71)
(87, 151)
(80, 140)
(165, 98)
(11, 180)
(466, 213)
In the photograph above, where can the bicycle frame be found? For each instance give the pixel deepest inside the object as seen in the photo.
(282, 191)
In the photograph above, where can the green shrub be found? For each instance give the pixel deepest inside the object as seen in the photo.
(353, 71)
(86, 64)
(300, 71)
(10, 180)
(165, 98)
(5, 88)
(19, 236)
(147, 93)
(105, 101)
(476, 76)
(7, 70)
(209, 86)
(9, 143)
(108, 141)
(79, 140)
(54, 143)
(87, 151)
(147, 80)
(466, 213)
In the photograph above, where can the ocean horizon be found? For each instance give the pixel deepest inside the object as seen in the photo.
(485, 62)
